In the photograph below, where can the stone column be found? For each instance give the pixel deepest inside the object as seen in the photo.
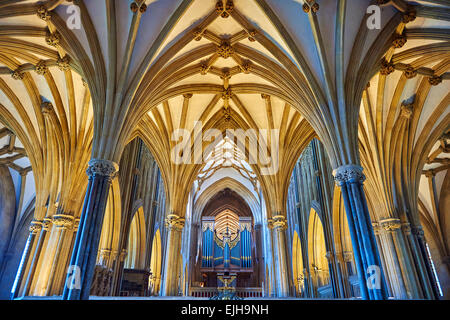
(367, 259)
(84, 255)
(63, 223)
(279, 226)
(418, 248)
(25, 262)
(175, 225)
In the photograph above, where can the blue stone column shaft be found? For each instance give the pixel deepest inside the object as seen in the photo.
(84, 255)
(350, 179)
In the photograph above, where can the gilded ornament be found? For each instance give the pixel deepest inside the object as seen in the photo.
(386, 67)
(43, 13)
(17, 75)
(63, 63)
(225, 50)
(435, 80)
(410, 72)
(41, 68)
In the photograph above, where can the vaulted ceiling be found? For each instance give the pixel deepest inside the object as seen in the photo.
(91, 75)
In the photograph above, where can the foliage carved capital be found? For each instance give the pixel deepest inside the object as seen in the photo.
(348, 174)
(102, 167)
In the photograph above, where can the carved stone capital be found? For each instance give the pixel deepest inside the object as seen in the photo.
(105, 254)
(35, 226)
(63, 221)
(279, 222)
(391, 224)
(102, 167)
(174, 222)
(406, 110)
(376, 228)
(348, 174)
(46, 107)
(46, 223)
(76, 224)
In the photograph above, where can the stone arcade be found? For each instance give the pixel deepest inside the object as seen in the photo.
(338, 189)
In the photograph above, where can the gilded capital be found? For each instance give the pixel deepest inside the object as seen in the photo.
(46, 107)
(279, 222)
(174, 222)
(46, 223)
(35, 226)
(391, 224)
(63, 221)
(406, 110)
(376, 228)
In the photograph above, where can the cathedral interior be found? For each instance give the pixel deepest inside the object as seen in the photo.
(288, 149)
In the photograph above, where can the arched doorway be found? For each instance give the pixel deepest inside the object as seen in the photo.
(343, 246)
(155, 265)
(317, 254)
(136, 242)
(297, 265)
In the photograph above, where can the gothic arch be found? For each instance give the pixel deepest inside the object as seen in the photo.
(297, 264)
(136, 241)
(155, 262)
(317, 252)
